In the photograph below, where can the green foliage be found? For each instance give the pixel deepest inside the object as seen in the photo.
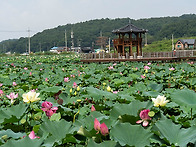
(91, 143)
(175, 134)
(14, 112)
(23, 143)
(163, 45)
(158, 29)
(71, 118)
(131, 135)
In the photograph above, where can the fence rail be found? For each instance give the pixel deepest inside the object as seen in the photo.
(184, 53)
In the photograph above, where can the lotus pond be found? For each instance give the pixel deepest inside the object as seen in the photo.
(59, 101)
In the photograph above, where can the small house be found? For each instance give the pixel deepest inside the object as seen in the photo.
(59, 49)
(185, 44)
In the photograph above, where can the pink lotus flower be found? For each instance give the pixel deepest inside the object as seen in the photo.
(190, 62)
(97, 125)
(146, 67)
(25, 68)
(12, 96)
(1, 84)
(93, 108)
(48, 109)
(33, 90)
(66, 79)
(144, 116)
(100, 127)
(104, 129)
(115, 92)
(72, 76)
(32, 135)
(171, 69)
(46, 79)
(30, 73)
(74, 85)
(1, 92)
(12, 64)
(14, 84)
(143, 77)
(110, 67)
(149, 63)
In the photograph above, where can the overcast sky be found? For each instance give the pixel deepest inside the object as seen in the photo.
(16, 16)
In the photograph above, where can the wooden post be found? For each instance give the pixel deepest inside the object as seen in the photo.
(123, 47)
(137, 45)
(140, 43)
(131, 44)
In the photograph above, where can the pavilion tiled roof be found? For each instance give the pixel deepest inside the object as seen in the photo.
(130, 28)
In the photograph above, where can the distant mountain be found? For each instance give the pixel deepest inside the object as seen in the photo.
(87, 32)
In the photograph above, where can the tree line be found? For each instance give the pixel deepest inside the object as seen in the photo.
(86, 33)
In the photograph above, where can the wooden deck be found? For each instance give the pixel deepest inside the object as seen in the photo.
(147, 57)
(164, 59)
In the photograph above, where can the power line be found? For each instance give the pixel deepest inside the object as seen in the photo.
(11, 31)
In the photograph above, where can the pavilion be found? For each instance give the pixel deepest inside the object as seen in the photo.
(129, 36)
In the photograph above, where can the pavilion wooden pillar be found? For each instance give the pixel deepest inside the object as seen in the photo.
(131, 44)
(140, 44)
(137, 44)
(123, 46)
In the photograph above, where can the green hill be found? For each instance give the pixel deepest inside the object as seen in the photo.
(163, 45)
(87, 32)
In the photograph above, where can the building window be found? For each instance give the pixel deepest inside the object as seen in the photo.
(179, 46)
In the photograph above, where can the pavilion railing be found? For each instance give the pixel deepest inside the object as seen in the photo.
(103, 55)
(126, 41)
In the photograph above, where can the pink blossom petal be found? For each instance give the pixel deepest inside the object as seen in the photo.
(145, 123)
(96, 125)
(1, 91)
(54, 108)
(32, 135)
(93, 108)
(44, 109)
(139, 121)
(104, 129)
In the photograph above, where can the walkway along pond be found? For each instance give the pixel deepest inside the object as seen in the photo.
(151, 56)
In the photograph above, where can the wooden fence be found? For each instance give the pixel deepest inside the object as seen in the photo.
(183, 53)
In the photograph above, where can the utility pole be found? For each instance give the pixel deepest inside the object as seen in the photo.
(146, 39)
(101, 40)
(72, 39)
(29, 40)
(172, 42)
(109, 44)
(65, 39)
(40, 46)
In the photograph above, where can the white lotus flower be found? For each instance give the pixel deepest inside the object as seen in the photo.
(160, 101)
(31, 96)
